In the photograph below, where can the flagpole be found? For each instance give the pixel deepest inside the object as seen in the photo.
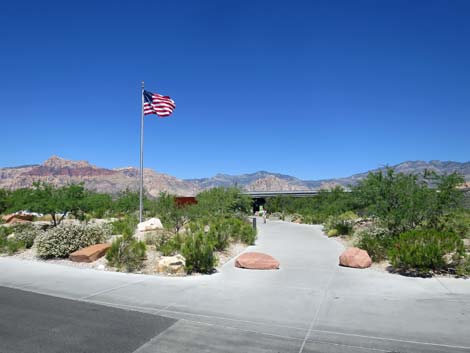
(141, 190)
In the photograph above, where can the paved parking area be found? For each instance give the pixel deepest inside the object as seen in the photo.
(309, 305)
(36, 323)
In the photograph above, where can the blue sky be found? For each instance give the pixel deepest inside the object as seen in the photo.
(314, 89)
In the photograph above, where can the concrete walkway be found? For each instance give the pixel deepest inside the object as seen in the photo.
(309, 305)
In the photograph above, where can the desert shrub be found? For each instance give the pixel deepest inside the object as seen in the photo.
(457, 222)
(220, 232)
(9, 246)
(424, 250)
(463, 267)
(172, 246)
(247, 233)
(333, 232)
(296, 217)
(13, 246)
(26, 233)
(375, 240)
(199, 253)
(343, 223)
(127, 253)
(61, 241)
(276, 215)
(405, 202)
(126, 202)
(156, 237)
(5, 231)
(171, 215)
(221, 201)
(310, 219)
(125, 225)
(328, 202)
(223, 230)
(200, 224)
(97, 204)
(169, 244)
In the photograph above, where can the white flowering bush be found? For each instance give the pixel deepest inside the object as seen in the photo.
(63, 240)
(26, 234)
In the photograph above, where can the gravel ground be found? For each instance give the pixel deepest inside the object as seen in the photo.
(233, 250)
(149, 265)
(30, 254)
(383, 266)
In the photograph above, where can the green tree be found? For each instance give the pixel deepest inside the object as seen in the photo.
(4, 196)
(319, 207)
(49, 199)
(16, 200)
(222, 201)
(172, 216)
(406, 201)
(127, 202)
(97, 204)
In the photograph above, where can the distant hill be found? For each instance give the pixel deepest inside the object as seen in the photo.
(60, 171)
(409, 167)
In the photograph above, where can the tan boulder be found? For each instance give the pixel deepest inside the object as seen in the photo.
(466, 243)
(149, 225)
(90, 253)
(173, 265)
(355, 257)
(256, 261)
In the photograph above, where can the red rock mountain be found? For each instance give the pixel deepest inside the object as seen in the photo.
(60, 171)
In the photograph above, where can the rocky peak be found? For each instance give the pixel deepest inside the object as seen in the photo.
(57, 162)
(128, 171)
(273, 183)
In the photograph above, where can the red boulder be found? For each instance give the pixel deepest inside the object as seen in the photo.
(257, 261)
(90, 253)
(355, 257)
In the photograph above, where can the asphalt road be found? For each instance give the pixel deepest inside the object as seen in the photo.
(309, 305)
(36, 323)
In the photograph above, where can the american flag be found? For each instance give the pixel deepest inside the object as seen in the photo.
(155, 103)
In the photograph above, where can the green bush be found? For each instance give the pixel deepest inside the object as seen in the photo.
(167, 243)
(424, 250)
(5, 231)
(221, 231)
(247, 234)
(457, 222)
(61, 241)
(199, 253)
(172, 216)
(125, 226)
(13, 245)
(463, 268)
(9, 246)
(314, 209)
(224, 230)
(26, 233)
(333, 233)
(127, 253)
(157, 237)
(405, 202)
(221, 201)
(375, 240)
(310, 219)
(343, 223)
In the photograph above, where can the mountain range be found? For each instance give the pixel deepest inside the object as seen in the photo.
(61, 171)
